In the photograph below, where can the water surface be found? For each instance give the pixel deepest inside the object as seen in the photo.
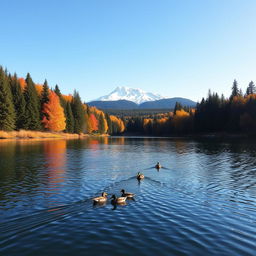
(202, 202)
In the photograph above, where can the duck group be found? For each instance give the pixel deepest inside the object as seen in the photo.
(125, 195)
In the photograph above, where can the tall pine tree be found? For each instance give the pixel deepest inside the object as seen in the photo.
(19, 102)
(44, 100)
(235, 90)
(251, 88)
(69, 119)
(78, 113)
(7, 110)
(32, 114)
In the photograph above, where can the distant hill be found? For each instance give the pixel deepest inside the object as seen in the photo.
(114, 104)
(157, 104)
(167, 103)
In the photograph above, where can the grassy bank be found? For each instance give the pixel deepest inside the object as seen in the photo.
(24, 134)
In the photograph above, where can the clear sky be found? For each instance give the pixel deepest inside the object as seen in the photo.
(174, 48)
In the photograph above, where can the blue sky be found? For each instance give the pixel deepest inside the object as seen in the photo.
(174, 48)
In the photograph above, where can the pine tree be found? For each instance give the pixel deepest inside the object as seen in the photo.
(57, 90)
(45, 93)
(32, 114)
(178, 106)
(78, 113)
(7, 110)
(69, 119)
(251, 88)
(101, 125)
(110, 130)
(235, 90)
(44, 99)
(19, 102)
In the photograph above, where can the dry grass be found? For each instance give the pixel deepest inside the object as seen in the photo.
(23, 134)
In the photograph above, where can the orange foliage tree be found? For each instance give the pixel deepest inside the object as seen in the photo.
(93, 123)
(22, 83)
(55, 120)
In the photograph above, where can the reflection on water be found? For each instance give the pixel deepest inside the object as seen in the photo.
(202, 202)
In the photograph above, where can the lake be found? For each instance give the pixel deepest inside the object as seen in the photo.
(203, 202)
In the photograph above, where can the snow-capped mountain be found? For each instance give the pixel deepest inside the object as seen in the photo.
(125, 93)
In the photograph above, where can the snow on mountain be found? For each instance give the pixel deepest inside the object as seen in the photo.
(125, 93)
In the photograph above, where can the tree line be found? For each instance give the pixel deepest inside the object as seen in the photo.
(236, 114)
(29, 106)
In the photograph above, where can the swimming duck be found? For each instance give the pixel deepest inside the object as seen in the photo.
(127, 194)
(158, 165)
(140, 176)
(100, 199)
(118, 200)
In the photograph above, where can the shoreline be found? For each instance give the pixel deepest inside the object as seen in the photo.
(221, 135)
(39, 135)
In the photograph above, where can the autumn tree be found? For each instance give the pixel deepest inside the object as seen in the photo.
(94, 123)
(55, 113)
(7, 110)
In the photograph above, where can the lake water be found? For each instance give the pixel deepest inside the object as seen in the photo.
(202, 203)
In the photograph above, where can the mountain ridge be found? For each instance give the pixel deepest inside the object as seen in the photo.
(168, 103)
(137, 96)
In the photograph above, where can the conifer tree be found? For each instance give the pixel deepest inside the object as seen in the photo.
(251, 88)
(110, 130)
(178, 106)
(63, 102)
(19, 102)
(44, 99)
(57, 90)
(69, 119)
(32, 114)
(78, 113)
(101, 125)
(7, 110)
(235, 90)
(45, 93)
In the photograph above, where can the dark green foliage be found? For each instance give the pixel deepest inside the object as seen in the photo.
(32, 114)
(7, 110)
(235, 90)
(110, 130)
(78, 113)
(44, 99)
(57, 90)
(101, 124)
(19, 102)
(45, 93)
(251, 88)
(69, 119)
(178, 106)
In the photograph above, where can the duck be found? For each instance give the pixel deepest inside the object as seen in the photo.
(158, 165)
(140, 176)
(127, 194)
(118, 200)
(100, 199)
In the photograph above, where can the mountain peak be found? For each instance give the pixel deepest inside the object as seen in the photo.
(126, 93)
